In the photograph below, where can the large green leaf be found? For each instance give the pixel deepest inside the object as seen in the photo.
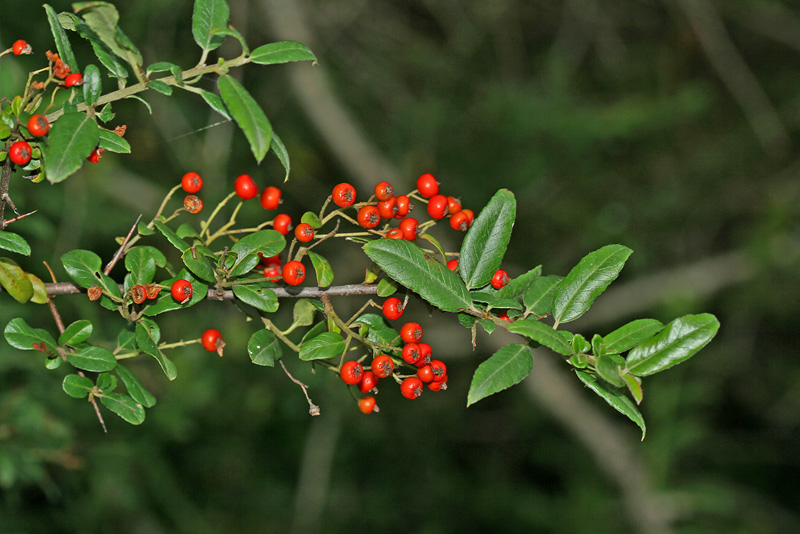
(135, 387)
(506, 367)
(171, 236)
(615, 398)
(60, 37)
(486, 240)
(142, 265)
(15, 280)
(325, 346)
(247, 114)
(147, 337)
(14, 243)
(584, 283)
(281, 52)
(125, 407)
(630, 335)
(199, 264)
(92, 358)
(541, 333)
(267, 242)
(103, 19)
(207, 15)
(406, 263)
(678, 341)
(92, 87)
(261, 298)
(22, 336)
(70, 141)
(82, 266)
(264, 348)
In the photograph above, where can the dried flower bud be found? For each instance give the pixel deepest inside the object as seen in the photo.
(192, 204)
(95, 292)
(151, 291)
(120, 130)
(138, 294)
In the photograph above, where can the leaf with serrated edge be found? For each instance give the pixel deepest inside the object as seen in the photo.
(486, 240)
(248, 115)
(587, 280)
(505, 368)
(264, 348)
(541, 333)
(630, 335)
(677, 342)
(614, 398)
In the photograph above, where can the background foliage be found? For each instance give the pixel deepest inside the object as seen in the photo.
(669, 127)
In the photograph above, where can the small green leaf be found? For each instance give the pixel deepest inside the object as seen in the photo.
(386, 287)
(60, 37)
(171, 236)
(198, 264)
(303, 313)
(230, 32)
(281, 52)
(70, 141)
(92, 358)
(505, 368)
(215, 103)
(614, 398)
(608, 368)
(14, 243)
(92, 87)
(541, 333)
(323, 269)
(147, 337)
(279, 149)
(113, 143)
(77, 386)
(82, 266)
(106, 382)
(264, 348)
(379, 330)
(125, 407)
(207, 15)
(267, 242)
(486, 240)
(579, 344)
(141, 264)
(76, 333)
(634, 384)
(630, 335)
(678, 341)
(261, 298)
(160, 87)
(325, 346)
(39, 289)
(21, 336)
(15, 281)
(247, 114)
(311, 219)
(135, 388)
(586, 281)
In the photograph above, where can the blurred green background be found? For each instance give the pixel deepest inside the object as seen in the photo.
(667, 126)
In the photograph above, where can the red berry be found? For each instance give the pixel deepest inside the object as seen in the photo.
(504, 316)
(393, 308)
(411, 388)
(304, 232)
(282, 223)
(395, 233)
(344, 195)
(273, 272)
(470, 215)
(20, 152)
(76, 78)
(411, 353)
(388, 208)
(437, 206)
(368, 382)
(369, 217)
(452, 265)
(21, 47)
(38, 125)
(409, 228)
(384, 191)
(424, 354)
(367, 404)
(95, 156)
(427, 185)
(382, 366)
(191, 182)
(436, 386)
(499, 279)
(351, 372)
(403, 204)
(425, 373)
(294, 273)
(453, 205)
(181, 290)
(245, 187)
(411, 333)
(439, 370)
(211, 340)
(459, 221)
(270, 198)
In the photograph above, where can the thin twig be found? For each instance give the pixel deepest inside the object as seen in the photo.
(121, 250)
(3, 224)
(313, 409)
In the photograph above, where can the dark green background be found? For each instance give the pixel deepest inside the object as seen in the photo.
(669, 127)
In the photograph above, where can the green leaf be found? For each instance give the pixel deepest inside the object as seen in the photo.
(261, 298)
(247, 114)
(92, 358)
(281, 52)
(486, 240)
(160, 87)
(70, 141)
(379, 330)
(21, 336)
(116, 68)
(171, 236)
(135, 388)
(630, 335)
(303, 312)
(386, 287)
(267, 242)
(325, 346)
(147, 337)
(634, 385)
(39, 289)
(113, 143)
(125, 407)
(141, 264)
(207, 15)
(614, 398)
(106, 382)
(608, 368)
(311, 219)
(15, 280)
(216, 103)
(541, 333)
(279, 149)
(82, 266)
(126, 340)
(264, 348)
(61, 40)
(143, 101)
(406, 263)
(584, 283)
(76, 333)
(678, 341)
(77, 386)
(14, 243)
(198, 264)
(166, 303)
(230, 32)
(517, 287)
(103, 19)
(92, 88)
(505, 368)
(323, 269)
